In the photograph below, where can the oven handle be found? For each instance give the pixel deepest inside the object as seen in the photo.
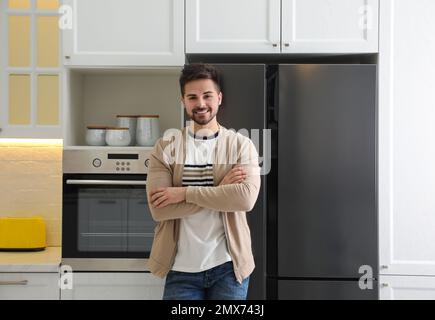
(107, 182)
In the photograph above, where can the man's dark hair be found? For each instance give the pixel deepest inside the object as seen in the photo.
(197, 71)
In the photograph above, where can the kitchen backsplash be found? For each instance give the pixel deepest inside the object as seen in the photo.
(31, 183)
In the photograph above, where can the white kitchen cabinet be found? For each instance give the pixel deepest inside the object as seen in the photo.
(29, 286)
(114, 286)
(282, 26)
(30, 71)
(233, 26)
(123, 33)
(407, 139)
(330, 26)
(407, 288)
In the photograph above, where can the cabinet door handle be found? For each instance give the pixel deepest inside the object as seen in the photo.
(275, 45)
(14, 283)
(287, 44)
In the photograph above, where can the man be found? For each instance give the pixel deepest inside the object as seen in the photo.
(201, 182)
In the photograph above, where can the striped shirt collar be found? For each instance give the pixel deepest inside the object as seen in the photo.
(196, 137)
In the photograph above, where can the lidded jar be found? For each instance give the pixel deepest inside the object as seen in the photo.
(119, 137)
(130, 122)
(96, 136)
(148, 130)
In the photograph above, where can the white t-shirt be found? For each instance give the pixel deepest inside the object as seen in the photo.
(202, 243)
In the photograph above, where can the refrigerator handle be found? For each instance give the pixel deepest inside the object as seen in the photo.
(276, 98)
(273, 96)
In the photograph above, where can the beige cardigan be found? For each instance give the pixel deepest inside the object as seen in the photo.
(234, 200)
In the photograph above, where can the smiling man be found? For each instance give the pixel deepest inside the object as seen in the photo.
(202, 243)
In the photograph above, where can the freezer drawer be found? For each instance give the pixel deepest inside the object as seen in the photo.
(324, 290)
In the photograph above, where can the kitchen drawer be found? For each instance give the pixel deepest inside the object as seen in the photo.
(29, 286)
(113, 286)
(325, 290)
(406, 288)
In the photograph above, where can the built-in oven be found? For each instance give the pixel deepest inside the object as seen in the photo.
(106, 221)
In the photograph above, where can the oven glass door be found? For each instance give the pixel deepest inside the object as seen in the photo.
(106, 216)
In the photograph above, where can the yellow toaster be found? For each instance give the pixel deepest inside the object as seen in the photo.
(22, 234)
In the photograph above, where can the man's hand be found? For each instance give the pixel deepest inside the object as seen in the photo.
(235, 175)
(163, 197)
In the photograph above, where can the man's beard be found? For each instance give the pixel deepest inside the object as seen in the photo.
(198, 119)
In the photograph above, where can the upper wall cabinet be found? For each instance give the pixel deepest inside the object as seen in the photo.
(282, 26)
(233, 26)
(30, 70)
(123, 32)
(330, 26)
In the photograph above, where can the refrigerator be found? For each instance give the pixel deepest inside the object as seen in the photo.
(314, 226)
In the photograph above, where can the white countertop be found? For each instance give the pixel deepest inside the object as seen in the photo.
(43, 261)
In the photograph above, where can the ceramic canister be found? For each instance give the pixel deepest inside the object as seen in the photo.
(119, 137)
(96, 136)
(130, 122)
(148, 130)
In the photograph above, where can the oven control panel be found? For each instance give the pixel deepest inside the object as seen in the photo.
(107, 161)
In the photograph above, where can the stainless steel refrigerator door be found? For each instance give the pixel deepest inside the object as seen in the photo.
(243, 107)
(327, 213)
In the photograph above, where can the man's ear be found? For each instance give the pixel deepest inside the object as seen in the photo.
(220, 97)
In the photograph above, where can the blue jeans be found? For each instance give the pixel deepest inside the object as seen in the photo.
(218, 283)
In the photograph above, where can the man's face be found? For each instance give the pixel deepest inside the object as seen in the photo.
(201, 100)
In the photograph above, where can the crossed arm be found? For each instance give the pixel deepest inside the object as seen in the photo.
(237, 191)
(162, 197)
